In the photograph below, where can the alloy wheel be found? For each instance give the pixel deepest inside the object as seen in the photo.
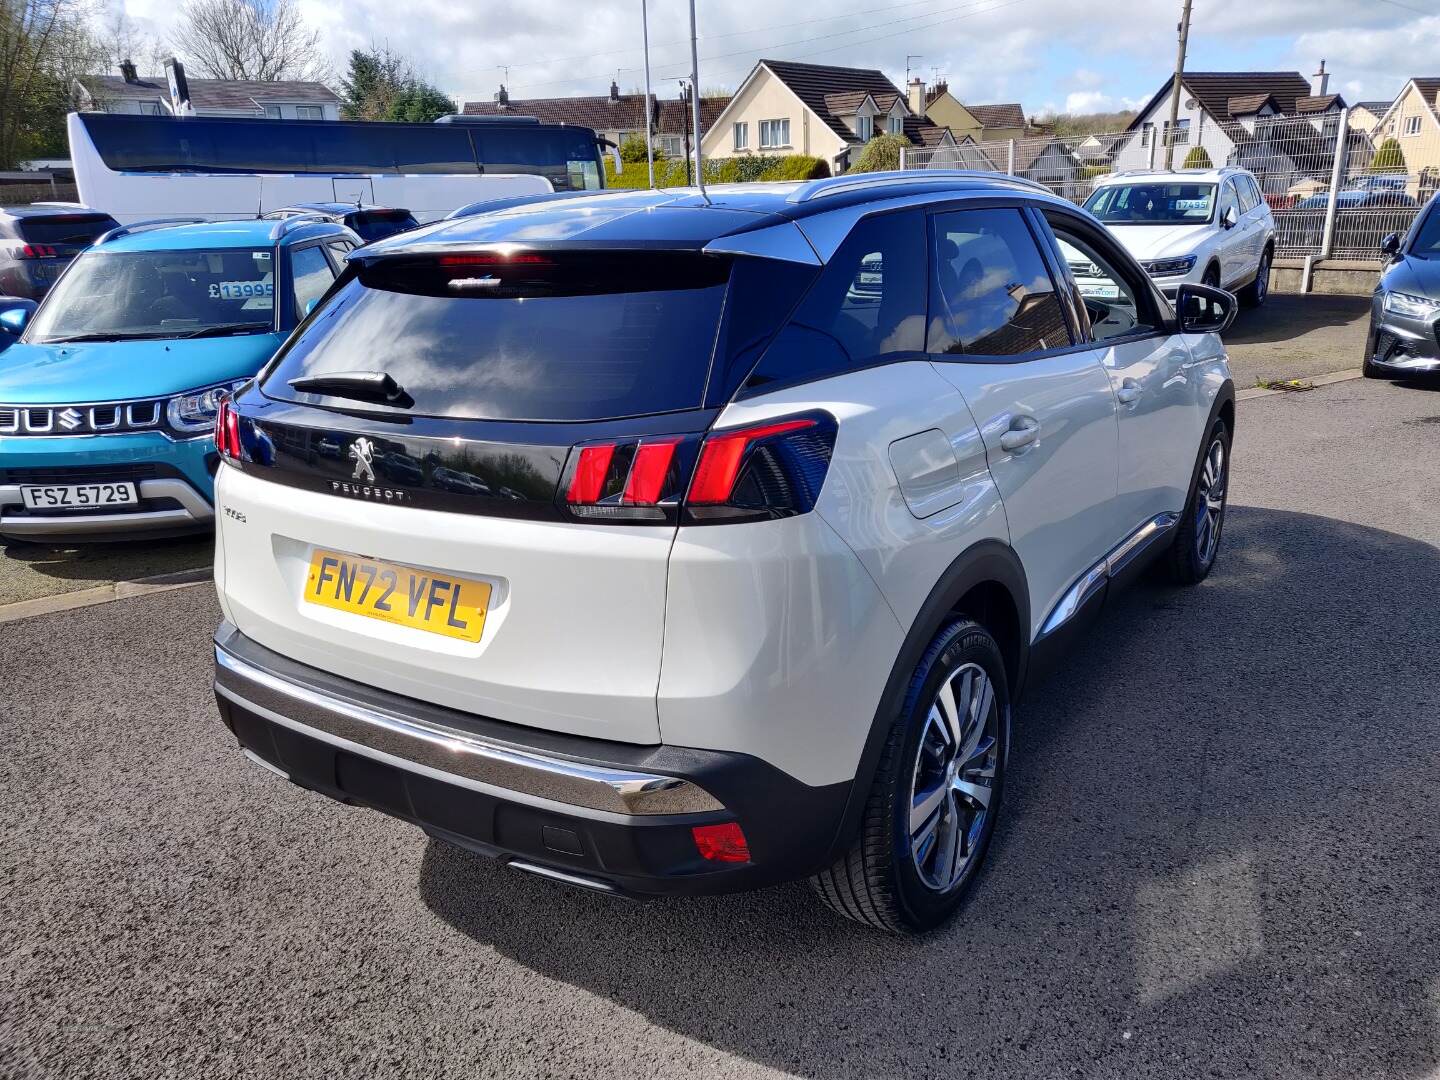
(954, 778)
(1262, 278)
(1210, 502)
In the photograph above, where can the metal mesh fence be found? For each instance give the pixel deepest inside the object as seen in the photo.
(1379, 179)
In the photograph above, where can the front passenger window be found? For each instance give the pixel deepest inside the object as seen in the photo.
(991, 294)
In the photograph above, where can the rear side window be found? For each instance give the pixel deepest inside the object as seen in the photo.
(991, 294)
(77, 229)
(568, 336)
(867, 306)
(312, 275)
(377, 224)
(1249, 197)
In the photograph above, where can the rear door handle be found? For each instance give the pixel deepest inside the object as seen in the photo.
(1023, 431)
(1129, 392)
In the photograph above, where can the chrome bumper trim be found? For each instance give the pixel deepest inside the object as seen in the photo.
(452, 756)
(194, 511)
(1095, 578)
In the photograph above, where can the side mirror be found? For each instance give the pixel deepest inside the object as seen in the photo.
(1204, 309)
(1390, 246)
(15, 314)
(1229, 218)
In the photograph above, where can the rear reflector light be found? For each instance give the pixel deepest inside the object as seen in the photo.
(724, 453)
(721, 843)
(37, 251)
(227, 431)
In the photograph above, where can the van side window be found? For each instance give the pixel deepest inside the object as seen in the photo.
(991, 294)
(867, 306)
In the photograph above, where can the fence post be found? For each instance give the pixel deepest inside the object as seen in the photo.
(903, 154)
(1150, 164)
(1010, 159)
(1337, 170)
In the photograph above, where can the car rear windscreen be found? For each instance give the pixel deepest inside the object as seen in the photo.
(377, 224)
(78, 229)
(530, 336)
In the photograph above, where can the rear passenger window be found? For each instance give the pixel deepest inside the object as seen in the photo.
(868, 305)
(1249, 197)
(991, 294)
(312, 275)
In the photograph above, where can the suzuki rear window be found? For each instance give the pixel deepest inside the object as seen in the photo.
(520, 336)
(77, 229)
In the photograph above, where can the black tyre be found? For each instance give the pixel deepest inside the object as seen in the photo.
(932, 807)
(1254, 294)
(1211, 276)
(1197, 538)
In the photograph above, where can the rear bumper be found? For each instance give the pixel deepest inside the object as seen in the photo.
(611, 816)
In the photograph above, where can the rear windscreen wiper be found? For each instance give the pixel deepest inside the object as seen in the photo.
(376, 386)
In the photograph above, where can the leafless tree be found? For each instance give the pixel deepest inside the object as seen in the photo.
(262, 40)
(117, 39)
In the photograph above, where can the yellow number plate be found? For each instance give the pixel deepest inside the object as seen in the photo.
(454, 607)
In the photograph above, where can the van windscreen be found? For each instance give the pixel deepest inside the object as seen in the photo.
(566, 336)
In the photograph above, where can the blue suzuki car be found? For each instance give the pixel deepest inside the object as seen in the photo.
(108, 399)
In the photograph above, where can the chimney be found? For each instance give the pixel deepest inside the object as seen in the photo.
(503, 97)
(1320, 82)
(614, 91)
(127, 71)
(916, 96)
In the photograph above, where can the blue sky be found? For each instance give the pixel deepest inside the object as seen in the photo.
(1046, 54)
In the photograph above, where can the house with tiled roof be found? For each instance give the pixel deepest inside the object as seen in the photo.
(786, 107)
(613, 115)
(1235, 117)
(130, 92)
(1413, 121)
(1366, 115)
(983, 123)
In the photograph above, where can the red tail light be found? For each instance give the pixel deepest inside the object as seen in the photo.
(724, 453)
(722, 843)
(494, 258)
(227, 431)
(588, 483)
(648, 471)
(37, 251)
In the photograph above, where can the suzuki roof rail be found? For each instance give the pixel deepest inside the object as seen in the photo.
(819, 189)
(294, 221)
(151, 223)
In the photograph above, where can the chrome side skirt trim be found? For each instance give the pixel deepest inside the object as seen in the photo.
(1094, 579)
(453, 756)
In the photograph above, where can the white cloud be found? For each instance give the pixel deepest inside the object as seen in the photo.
(1090, 101)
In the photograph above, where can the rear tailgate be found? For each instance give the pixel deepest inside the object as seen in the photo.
(451, 481)
(572, 632)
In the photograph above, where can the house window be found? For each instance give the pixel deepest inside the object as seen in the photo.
(864, 127)
(309, 112)
(897, 125)
(672, 146)
(774, 133)
(1412, 126)
(1180, 136)
(272, 112)
(742, 136)
(1145, 132)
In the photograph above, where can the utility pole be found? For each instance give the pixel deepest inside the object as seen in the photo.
(695, 105)
(685, 101)
(649, 117)
(1170, 131)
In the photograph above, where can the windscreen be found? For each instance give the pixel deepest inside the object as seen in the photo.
(74, 229)
(568, 153)
(1153, 204)
(1427, 237)
(561, 337)
(112, 296)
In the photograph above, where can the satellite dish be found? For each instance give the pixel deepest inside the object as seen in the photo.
(1190, 103)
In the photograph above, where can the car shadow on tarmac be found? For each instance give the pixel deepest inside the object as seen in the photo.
(1219, 857)
(1286, 315)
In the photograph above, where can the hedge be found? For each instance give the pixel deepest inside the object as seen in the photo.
(735, 170)
(1198, 158)
(881, 154)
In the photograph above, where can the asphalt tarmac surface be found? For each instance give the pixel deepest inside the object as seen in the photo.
(1219, 855)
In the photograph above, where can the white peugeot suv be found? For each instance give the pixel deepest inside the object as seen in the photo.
(1211, 226)
(665, 543)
